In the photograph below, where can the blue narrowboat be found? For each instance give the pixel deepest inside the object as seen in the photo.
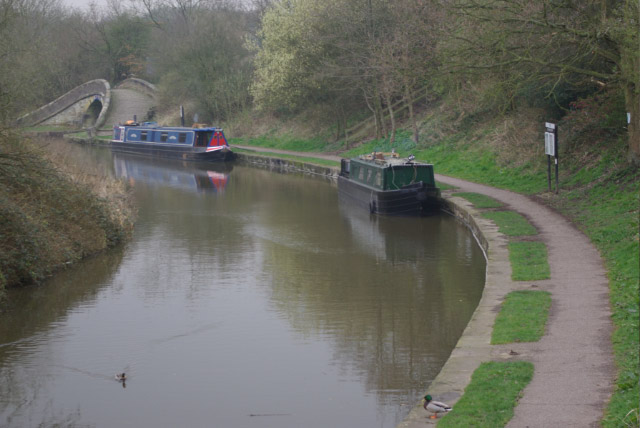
(192, 144)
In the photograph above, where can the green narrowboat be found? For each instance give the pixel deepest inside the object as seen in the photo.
(386, 184)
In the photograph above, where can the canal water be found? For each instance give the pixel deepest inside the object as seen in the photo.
(245, 298)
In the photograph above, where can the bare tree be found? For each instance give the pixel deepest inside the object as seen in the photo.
(558, 45)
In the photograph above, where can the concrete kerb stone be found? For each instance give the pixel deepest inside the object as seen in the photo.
(474, 346)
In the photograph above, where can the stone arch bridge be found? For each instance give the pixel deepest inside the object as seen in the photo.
(96, 107)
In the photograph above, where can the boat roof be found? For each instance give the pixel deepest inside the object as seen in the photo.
(383, 160)
(154, 125)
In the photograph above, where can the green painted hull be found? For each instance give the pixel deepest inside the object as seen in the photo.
(389, 189)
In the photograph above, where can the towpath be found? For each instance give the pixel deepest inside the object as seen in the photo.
(125, 104)
(574, 368)
(288, 152)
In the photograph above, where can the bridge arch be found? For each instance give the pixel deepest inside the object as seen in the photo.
(70, 107)
(88, 106)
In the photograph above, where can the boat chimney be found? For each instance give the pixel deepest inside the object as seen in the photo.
(181, 115)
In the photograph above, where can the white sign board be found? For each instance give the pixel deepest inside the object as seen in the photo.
(549, 143)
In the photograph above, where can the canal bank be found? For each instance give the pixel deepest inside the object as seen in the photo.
(574, 368)
(53, 214)
(287, 165)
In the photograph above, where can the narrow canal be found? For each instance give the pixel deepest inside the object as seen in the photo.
(246, 298)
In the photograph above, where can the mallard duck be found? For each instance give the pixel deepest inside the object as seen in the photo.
(435, 407)
(121, 377)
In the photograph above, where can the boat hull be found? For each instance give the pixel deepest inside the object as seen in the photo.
(166, 151)
(414, 200)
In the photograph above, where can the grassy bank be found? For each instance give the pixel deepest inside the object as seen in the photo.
(51, 213)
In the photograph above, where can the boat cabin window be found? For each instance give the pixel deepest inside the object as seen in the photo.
(378, 179)
(164, 136)
(369, 173)
(143, 135)
(182, 137)
(361, 174)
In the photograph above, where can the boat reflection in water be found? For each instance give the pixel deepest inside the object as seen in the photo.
(404, 238)
(190, 176)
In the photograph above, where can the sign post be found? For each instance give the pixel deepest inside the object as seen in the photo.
(551, 150)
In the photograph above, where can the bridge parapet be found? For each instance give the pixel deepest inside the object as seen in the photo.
(98, 87)
(139, 85)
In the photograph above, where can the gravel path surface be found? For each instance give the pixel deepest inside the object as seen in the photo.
(574, 367)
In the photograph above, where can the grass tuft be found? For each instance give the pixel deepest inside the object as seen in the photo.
(444, 186)
(511, 223)
(491, 396)
(528, 261)
(522, 318)
(479, 200)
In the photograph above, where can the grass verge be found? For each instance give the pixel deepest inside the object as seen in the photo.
(479, 200)
(528, 261)
(522, 317)
(511, 223)
(444, 186)
(305, 159)
(491, 396)
(85, 135)
(287, 142)
(47, 128)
